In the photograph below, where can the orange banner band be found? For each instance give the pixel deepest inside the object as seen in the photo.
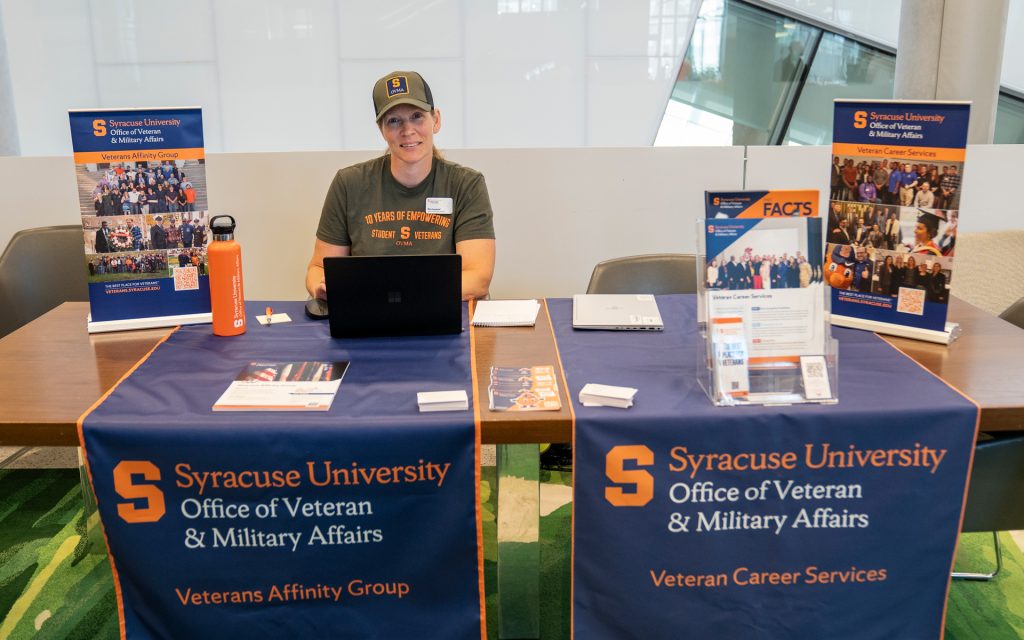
(890, 152)
(139, 155)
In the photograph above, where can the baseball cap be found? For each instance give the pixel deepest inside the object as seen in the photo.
(401, 87)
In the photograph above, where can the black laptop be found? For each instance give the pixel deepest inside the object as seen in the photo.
(394, 295)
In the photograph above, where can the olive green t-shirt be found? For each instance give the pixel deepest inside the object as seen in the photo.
(367, 209)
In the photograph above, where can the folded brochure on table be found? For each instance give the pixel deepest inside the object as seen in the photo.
(283, 386)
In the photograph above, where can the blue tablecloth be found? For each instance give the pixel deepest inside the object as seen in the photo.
(361, 521)
(841, 521)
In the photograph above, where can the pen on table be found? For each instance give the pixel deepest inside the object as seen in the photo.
(270, 315)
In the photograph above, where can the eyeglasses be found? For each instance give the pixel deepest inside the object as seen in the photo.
(396, 123)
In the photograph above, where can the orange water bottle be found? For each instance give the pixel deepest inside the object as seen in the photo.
(224, 256)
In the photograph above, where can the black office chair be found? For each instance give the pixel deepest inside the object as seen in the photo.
(39, 269)
(1014, 314)
(658, 273)
(995, 498)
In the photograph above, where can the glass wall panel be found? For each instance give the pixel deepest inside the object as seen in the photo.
(738, 78)
(1009, 120)
(842, 68)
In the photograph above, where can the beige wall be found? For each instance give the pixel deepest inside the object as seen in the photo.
(557, 211)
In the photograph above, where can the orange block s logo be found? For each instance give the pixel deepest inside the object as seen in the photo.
(642, 481)
(126, 488)
(860, 119)
(99, 128)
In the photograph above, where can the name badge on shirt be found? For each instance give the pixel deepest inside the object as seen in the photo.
(439, 205)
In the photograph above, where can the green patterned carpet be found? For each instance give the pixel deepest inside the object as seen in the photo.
(51, 586)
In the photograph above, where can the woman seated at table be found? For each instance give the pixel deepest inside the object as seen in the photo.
(410, 200)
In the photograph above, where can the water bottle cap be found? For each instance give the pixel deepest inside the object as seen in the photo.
(224, 229)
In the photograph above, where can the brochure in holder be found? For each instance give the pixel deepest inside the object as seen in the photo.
(763, 312)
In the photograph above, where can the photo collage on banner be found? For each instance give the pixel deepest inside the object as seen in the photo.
(894, 208)
(142, 192)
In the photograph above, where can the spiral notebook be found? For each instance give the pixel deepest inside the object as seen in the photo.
(506, 313)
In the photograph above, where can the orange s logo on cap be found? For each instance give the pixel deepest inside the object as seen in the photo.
(397, 86)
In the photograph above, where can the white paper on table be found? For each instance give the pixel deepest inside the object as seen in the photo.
(275, 318)
(607, 395)
(252, 395)
(506, 313)
(456, 400)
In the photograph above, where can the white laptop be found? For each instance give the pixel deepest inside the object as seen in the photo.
(616, 312)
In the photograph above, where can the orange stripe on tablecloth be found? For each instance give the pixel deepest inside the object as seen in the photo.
(476, 457)
(572, 419)
(967, 480)
(92, 484)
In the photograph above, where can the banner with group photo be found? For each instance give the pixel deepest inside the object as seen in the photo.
(810, 521)
(142, 193)
(358, 522)
(894, 207)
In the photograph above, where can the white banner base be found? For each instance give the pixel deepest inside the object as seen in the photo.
(946, 337)
(147, 323)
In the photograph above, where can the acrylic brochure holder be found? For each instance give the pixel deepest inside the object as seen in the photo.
(767, 339)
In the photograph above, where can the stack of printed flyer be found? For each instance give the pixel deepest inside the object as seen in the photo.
(763, 302)
(523, 389)
(283, 386)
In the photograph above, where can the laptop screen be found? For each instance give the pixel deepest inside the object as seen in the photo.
(414, 295)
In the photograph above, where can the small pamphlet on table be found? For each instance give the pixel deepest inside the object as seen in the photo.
(283, 386)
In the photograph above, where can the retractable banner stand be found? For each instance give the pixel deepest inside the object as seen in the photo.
(894, 209)
(811, 521)
(358, 522)
(142, 193)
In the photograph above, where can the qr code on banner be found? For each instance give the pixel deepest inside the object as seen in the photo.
(911, 301)
(186, 278)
